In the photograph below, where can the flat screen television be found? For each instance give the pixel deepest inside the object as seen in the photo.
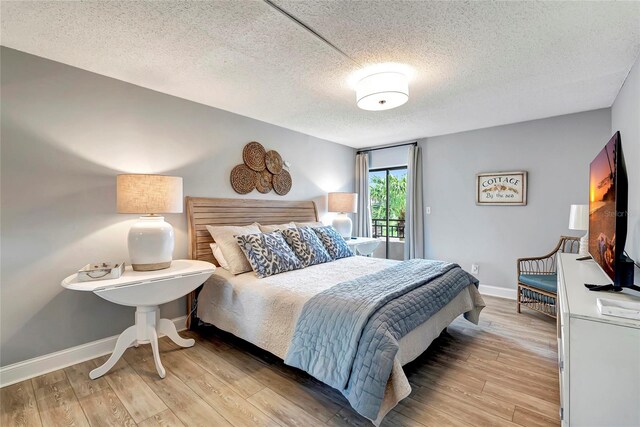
(608, 212)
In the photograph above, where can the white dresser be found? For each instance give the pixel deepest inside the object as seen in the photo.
(599, 356)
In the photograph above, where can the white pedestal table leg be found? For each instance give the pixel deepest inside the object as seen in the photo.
(153, 339)
(144, 331)
(167, 327)
(125, 340)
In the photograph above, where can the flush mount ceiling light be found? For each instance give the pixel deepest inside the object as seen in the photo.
(382, 91)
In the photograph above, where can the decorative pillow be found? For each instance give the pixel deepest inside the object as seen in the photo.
(268, 253)
(217, 254)
(309, 224)
(270, 228)
(225, 237)
(306, 245)
(333, 242)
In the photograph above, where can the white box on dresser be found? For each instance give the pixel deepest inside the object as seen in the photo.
(599, 355)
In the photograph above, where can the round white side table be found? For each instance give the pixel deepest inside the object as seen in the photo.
(146, 290)
(363, 245)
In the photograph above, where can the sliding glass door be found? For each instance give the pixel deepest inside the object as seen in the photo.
(388, 196)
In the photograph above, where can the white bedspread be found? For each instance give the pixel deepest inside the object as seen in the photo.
(265, 311)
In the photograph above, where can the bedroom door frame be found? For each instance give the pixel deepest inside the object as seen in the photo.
(387, 170)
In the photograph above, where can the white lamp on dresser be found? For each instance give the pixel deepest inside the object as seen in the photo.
(579, 220)
(343, 203)
(151, 239)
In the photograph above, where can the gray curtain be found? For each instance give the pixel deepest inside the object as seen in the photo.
(363, 216)
(414, 215)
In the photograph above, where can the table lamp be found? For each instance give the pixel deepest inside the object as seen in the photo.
(343, 203)
(579, 220)
(151, 239)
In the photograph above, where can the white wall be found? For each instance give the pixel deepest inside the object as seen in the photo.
(556, 153)
(389, 158)
(66, 134)
(625, 117)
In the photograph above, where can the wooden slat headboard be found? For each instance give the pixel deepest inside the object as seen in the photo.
(203, 211)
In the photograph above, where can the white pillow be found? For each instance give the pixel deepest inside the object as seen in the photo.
(225, 237)
(271, 228)
(217, 254)
(309, 224)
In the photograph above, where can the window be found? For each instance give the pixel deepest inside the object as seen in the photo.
(388, 196)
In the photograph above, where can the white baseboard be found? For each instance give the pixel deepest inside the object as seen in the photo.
(497, 291)
(21, 371)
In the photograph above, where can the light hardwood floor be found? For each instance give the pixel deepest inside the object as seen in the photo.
(502, 372)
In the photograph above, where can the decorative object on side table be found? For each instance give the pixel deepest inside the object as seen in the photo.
(343, 203)
(579, 220)
(501, 188)
(100, 271)
(151, 239)
(262, 170)
(363, 245)
(146, 290)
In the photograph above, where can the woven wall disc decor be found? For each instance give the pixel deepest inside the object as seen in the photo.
(282, 183)
(243, 179)
(253, 155)
(263, 181)
(273, 161)
(262, 170)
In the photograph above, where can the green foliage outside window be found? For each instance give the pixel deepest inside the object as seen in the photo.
(397, 196)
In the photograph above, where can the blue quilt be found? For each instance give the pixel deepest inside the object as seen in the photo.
(347, 336)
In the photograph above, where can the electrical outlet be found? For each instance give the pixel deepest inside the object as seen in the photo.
(427, 210)
(475, 268)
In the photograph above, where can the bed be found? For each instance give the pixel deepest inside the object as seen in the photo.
(265, 311)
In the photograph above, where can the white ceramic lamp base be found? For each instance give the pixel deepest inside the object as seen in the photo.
(343, 225)
(584, 245)
(151, 241)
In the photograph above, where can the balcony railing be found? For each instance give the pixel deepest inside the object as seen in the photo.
(395, 229)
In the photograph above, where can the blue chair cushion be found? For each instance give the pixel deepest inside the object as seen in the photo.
(544, 282)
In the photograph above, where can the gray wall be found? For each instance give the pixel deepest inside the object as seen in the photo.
(66, 134)
(625, 117)
(556, 153)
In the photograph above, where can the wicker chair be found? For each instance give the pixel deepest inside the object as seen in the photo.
(537, 278)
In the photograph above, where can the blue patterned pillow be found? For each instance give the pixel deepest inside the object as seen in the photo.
(333, 242)
(268, 253)
(306, 245)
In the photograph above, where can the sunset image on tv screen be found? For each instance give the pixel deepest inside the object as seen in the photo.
(602, 208)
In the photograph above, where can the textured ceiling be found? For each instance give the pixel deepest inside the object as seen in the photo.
(475, 64)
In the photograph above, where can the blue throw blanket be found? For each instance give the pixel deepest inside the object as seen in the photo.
(347, 336)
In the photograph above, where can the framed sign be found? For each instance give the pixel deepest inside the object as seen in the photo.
(501, 188)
